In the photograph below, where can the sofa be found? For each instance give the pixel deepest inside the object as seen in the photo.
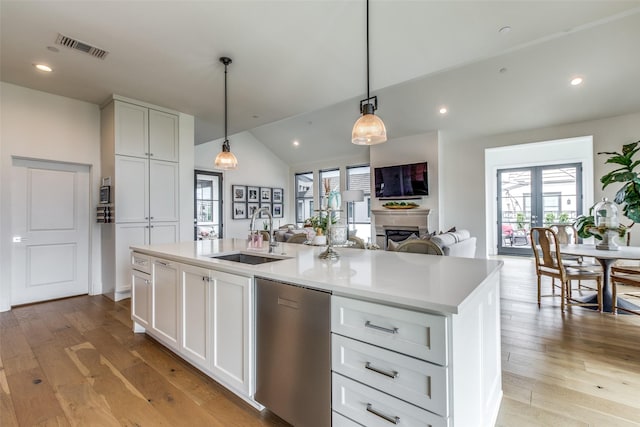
(452, 243)
(456, 243)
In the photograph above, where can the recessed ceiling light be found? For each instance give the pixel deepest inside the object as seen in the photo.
(296, 143)
(443, 110)
(43, 67)
(504, 30)
(576, 81)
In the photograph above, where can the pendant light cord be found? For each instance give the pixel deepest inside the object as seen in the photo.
(225, 101)
(368, 96)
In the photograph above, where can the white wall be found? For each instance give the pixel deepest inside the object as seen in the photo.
(412, 149)
(39, 125)
(462, 166)
(257, 166)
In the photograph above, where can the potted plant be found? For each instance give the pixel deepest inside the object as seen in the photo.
(628, 196)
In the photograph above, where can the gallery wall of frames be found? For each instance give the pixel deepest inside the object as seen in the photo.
(247, 199)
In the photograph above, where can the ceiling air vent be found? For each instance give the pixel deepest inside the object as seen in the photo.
(81, 46)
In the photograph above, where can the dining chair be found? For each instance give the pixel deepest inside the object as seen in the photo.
(358, 243)
(626, 276)
(420, 246)
(568, 234)
(548, 262)
(298, 238)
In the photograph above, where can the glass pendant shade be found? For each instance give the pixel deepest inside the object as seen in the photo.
(225, 159)
(368, 130)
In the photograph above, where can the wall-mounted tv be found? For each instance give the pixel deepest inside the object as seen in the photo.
(402, 181)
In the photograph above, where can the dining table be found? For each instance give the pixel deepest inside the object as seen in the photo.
(606, 258)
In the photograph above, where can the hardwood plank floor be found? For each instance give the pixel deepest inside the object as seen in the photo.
(76, 362)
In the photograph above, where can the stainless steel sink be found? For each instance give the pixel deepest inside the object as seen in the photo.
(247, 258)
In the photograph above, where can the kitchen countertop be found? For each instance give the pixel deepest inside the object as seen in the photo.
(421, 282)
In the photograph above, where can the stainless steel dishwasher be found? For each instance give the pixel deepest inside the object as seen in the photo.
(293, 352)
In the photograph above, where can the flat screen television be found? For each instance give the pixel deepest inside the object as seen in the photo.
(402, 181)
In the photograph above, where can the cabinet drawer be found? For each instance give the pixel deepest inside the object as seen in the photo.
(373, 408)
(141, 262)
(417, 334)
(339, 420)
(418, 382)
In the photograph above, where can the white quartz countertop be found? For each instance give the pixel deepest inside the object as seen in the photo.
(421, 282)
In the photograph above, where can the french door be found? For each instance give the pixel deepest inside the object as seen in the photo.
(535, 197)
(208, 205)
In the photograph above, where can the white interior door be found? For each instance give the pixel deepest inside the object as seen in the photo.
(50, 229)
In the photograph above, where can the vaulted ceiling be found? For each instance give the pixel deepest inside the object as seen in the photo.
(298, 68)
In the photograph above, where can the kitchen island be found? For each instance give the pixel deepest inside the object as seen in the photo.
(437, 318)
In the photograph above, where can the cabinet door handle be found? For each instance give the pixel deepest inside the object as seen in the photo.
(146, 281)
(151, 154)
(150, 217)
(151, 226)
(368, 324)
(392, 420)
(206, 279)
(390, 374)
(146, 217)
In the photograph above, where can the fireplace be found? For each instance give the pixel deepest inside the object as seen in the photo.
(398, 224)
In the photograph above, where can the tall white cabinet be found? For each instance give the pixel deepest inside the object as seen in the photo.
(140, 153)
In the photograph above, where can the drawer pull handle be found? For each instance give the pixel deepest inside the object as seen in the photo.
(368, 324)
(392, 420)
(166, 264)
(390, 374)
(141, 262)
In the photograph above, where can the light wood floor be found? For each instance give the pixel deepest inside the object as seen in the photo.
(76, 362)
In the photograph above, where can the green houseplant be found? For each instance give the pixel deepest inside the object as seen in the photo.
(628, 196)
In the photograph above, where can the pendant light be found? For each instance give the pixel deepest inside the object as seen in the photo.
(225, 159)
(368, 129)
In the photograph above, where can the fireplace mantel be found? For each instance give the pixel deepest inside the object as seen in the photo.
(399, 219)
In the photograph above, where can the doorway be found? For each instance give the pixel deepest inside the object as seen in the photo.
(208, 205)
(535, 197)
(50, 217)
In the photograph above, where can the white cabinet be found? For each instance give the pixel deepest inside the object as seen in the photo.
(163, 135)
(140, 299)
(195, 341)
(146, 190)
(204, 315)
(425, 369)
(163, 191)
(140, 155)
(145, 132)
(231, 297)
(164, 301)
(383, 357)
(131, 189)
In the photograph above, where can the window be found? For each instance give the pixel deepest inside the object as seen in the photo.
(359, 213)
(208, 205)
(332, 176)
(304, 196)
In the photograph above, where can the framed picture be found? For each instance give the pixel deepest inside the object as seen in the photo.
(239, 193)
(239, 210)
(265, 195)
(277, 210)
(253, 194)
(277, 195)
(265, 205)
(252, 207)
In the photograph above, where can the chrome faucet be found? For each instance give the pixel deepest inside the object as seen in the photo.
(272, 236)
